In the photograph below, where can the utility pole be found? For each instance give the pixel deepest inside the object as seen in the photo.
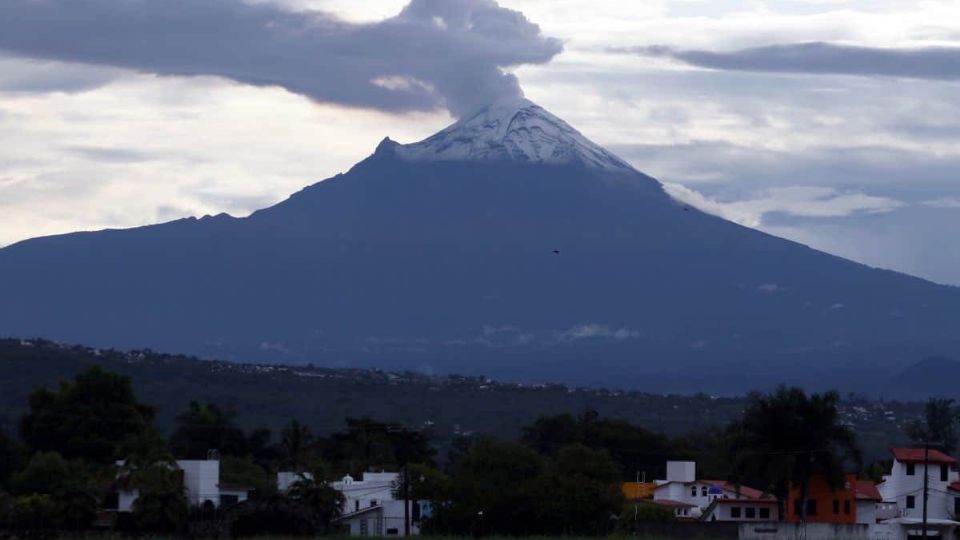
(926, 485)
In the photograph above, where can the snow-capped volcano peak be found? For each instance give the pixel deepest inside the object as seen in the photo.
(514, 129)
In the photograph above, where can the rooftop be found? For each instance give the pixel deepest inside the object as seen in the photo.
(915, 455)
(867, 491)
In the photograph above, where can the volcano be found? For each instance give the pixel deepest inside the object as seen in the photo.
(507, 245)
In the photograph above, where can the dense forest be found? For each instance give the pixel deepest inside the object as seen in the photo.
(267, 396)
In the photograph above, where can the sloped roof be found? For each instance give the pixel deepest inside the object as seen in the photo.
(867, 491)
(915, 455)
(745, 491)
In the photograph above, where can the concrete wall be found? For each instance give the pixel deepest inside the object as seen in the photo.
(688, 531)
(866, 512)
(723, 511)
(809, 531)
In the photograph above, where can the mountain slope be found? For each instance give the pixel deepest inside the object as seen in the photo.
(504, 245)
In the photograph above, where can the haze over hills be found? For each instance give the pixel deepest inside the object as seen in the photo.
(507, 245)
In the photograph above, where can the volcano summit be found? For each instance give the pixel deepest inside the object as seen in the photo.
(507, 244)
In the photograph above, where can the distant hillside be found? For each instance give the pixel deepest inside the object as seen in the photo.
(933, 376)
(269, 395)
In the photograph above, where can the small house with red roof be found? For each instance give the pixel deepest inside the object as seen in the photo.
(904, 485)
(852, 501)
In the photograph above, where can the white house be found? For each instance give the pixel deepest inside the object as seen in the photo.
(904, 485)
(201, 483)
(371, 508)
(712, 500)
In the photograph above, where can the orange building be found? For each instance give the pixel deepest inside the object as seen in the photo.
(638, 491)
(824, 503)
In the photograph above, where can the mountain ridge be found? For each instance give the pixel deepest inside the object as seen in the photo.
(507, 267)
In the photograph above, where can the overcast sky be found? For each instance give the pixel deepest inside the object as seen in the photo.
(832, 122)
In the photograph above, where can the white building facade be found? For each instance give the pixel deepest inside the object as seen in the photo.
(371, 507)
(201, 484)
(904, 485)
(711, 500)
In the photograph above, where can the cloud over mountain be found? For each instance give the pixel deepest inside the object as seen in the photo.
(434, 53)
(937, 63)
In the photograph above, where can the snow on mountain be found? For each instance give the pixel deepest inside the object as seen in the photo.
(515, 129)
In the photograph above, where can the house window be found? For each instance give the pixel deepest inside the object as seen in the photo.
(764, 513)
(944, 472)
(750, 512)
(911, 501)
(956, 506)
(811, 507)
(393, 531)
(693, 491)
(846, 507)
(703, 491)
(735, 512)
(911, 469)
(836, 507)
(373, 503)
(796, 507)
(229, 500)
(364, 528)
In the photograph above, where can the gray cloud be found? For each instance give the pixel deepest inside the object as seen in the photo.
(37, 77)
(434, 53)
(938, 63)
(110, 155)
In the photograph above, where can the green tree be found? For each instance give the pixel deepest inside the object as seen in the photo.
(91, 418)
(69, 485)
(9, 459)
(494, 491)
(584, 492)
(202, 428)
(161, 505)
(244, 471)
(366, 445)
(939, 425)
(33, 512)
(637, 512)
(631, 447)
(427, 484)
(259, 447)
(787, 436)
(319, 496)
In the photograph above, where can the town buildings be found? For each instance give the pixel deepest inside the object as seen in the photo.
(711, 500)
(201, 483)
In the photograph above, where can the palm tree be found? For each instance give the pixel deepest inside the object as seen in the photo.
(787, 436)
(296, 442)
(318, 496)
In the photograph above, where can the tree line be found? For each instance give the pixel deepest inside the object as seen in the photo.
(563, 475)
